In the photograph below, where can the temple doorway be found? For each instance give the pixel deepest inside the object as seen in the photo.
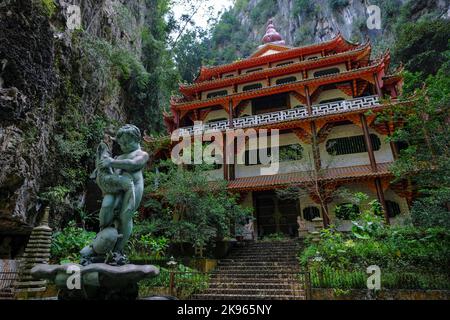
(274, 215)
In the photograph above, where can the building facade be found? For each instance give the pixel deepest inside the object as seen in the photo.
(324, 99)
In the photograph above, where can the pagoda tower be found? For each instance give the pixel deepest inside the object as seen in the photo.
(324, 99)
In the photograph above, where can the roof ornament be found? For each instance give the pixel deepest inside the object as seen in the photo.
(272, 36)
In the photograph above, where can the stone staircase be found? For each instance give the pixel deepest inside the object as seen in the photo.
(257, 271)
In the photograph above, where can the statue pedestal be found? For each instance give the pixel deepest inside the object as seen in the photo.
(96, 281)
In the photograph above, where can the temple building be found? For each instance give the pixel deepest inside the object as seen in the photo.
(324, 98)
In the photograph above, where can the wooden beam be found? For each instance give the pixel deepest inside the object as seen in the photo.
(368, 142)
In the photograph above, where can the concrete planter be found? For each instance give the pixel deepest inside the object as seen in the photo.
(203, 264)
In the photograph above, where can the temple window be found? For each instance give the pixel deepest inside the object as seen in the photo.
(393, 208)
(350, 145)
(346, 211)
(326, 72)
(284, 63)
(286, 80)
(216, 94)
(310, 213)
(270, 103)
(217, 120)
(291, 152)
(253, 70)
(331, 100)
(252, 87)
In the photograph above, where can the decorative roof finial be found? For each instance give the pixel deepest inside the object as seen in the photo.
(272, 36)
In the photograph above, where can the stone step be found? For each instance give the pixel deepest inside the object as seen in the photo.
(256, 292)
(253, 277)
(245, 297)
(26, 284)
(253, 269)
(40, 242)
(226, 262)
(254, 285)
(35, 259)
(264, 259)
(39, 289)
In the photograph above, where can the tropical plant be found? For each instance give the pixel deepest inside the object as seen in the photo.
(67, 243)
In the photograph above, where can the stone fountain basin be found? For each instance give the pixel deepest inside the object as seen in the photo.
(94, 275)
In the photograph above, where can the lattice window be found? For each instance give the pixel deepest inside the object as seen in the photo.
(253, 70)
(286, 80)
(216, 94)
(310, 213)
(332, 100)
(393, 208)
(346, 211)
(284, 63)
(252, 87)
(326, 72)
(291, 152)
(350, 145)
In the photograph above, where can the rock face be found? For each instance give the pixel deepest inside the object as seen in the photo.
(57, 86)
(303, 22)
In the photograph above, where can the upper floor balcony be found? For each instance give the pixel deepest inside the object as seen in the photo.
(362, 103)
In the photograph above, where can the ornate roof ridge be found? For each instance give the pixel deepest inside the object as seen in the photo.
(375, 64)
(337, 38)
(361, 47)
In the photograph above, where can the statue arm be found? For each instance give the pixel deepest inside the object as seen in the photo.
(134, 164)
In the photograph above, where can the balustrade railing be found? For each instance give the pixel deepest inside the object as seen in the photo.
(285, 115)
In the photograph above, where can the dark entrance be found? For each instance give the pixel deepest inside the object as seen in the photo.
(274, 215)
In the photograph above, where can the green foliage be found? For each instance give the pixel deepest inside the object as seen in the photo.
(425, 132)
(187, 281)
(421, 46)
(189, 207)
(340, 260)
(55, 196)
(291, 152)
(156, 246)
(66, 244)
(49, 7)
(302, 7)
(337, 5)
(263, 11)
(275, 237)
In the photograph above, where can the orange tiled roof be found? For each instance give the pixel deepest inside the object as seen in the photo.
(336, 42)
(279, 180)
(357, 53)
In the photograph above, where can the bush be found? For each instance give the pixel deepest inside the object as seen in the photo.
(338, 4)
(66, 244)
(187, 281)
(408, 257)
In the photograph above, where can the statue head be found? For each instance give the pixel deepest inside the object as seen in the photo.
(128, 137)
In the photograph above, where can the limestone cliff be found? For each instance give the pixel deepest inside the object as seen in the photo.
(303, 22)
(61, 84)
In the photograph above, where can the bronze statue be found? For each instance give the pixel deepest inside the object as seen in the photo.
(122, 183)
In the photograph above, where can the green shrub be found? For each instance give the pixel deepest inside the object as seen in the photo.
(338, 4)
(66, 244)
(49, 7)
(187, 281)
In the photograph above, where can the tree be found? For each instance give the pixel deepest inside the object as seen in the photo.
(192, 208)
(426, 159)
(421, 45)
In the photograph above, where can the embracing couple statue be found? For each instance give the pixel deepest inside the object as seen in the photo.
(122, 184)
